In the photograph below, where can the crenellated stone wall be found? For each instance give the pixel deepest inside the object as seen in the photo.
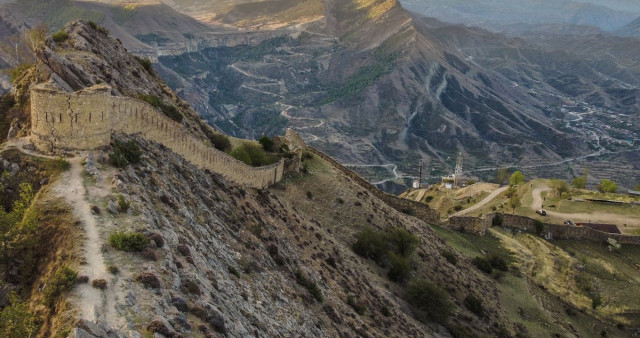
(84, 120)
(413, 208)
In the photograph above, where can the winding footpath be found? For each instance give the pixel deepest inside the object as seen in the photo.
(93, 304)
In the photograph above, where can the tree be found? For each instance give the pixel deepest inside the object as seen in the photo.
(514, 202)
(560, 187)
(579, 182)
(501, 175)
(608, 186)
(267, 143)
(517, 178)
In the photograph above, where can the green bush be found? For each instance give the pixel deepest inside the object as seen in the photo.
(18, 72)
(402, 241)
(474, 304)
(253, 155)
(125, 153)
(131, 241)
(498, 262)
(220, 142)
(482, 264)
(123, 204)
(399, 267)
(168, 110)
(371, 244)
(310, 285)
(16, 320)
(429, 301)
(267, 143)
(450, 257)
(596, 300)
(60, 36)
(63, 280)
(146, 64)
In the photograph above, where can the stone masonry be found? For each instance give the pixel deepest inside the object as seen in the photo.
(84, 120)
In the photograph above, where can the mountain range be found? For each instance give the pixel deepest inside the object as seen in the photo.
(380, 88)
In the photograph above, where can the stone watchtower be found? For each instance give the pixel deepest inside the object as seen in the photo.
(63, 120)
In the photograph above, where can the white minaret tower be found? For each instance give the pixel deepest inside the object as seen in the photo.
(458, 172)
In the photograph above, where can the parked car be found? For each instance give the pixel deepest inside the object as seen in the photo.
(541, 212)
(569, 223)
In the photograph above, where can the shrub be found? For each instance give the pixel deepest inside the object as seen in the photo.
(482, 264)
(82, 279)
(340, 200)
(429, 199)
(63, 280)
(125, 153)
(357, 306)
(148, 279)
(149, 254)
(498, 262)
(191, 287)
(474, 304)
(370, 244)
(16, 73)
(267, 143)
(429, 301)
(146, 64)
(113, 269)
(99, 284)
(16, 320)
(123, 204)
(309, 195)
(385, 311)
(450, 257)
(596, 300)
(399, 267)
(132, 241)
(457, 207)
(93, 25)
(253, 155)
(60, 36)
(157, 238)
(310, 285)
(167, 109)
(220, 142)
(233, 271)
(402, 241)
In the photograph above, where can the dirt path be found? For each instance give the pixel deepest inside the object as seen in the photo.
(421, 195)
(482, 203)
(537, 197)
(93, 304)
(596, 217)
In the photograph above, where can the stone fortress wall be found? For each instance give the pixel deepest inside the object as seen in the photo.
(413, 208)
(84, 120)
(479, 226)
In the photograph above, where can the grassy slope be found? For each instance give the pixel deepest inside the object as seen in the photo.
(541, 284)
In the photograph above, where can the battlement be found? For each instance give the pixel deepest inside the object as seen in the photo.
(85, 119)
